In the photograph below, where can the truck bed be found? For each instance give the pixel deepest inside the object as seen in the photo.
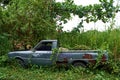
(82, 51)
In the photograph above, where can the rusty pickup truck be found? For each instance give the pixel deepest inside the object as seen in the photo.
(42, 52)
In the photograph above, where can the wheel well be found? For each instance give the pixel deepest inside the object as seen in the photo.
(24, 65)
(79, 61)
(19, 58)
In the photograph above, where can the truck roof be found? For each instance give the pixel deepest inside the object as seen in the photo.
(48, 40)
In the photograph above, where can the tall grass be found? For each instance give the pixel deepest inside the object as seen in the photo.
(108, 40)
(47, 73)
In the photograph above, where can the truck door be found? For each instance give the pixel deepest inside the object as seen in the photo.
(42, 54)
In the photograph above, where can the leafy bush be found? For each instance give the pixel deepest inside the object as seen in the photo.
(3, 60)
(2, 76)
(4, 47)
(113, 67)
(4, 44)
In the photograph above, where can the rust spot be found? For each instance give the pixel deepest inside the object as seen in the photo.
(61, 63)
(65, 60)
(89, 57)
(103, 58)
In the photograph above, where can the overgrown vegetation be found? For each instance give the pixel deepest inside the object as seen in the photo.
(25, 22)
(49, 73)
(107, 40)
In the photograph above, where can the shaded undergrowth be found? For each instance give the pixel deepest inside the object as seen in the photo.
(13, 72)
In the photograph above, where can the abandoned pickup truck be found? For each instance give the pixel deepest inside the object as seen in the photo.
(42, 52)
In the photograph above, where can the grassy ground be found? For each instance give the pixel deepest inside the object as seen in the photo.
(45, 73)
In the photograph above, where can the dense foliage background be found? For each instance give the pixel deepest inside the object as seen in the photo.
(26, 22)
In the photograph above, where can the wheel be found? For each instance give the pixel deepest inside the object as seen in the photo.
(21, 63)
(79, 64)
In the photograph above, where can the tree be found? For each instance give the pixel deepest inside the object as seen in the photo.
(34, 20)
(103, 11)
(29, 19)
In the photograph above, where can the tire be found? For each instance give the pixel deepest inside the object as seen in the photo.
(79, 64)
(21, 63)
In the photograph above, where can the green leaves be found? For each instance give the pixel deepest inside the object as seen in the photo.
(2, 76)
(29, 19)
(34, 19)
(103, 11)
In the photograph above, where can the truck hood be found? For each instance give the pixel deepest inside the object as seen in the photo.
(20, 52)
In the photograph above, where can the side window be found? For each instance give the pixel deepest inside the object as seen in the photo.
(45, 46)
